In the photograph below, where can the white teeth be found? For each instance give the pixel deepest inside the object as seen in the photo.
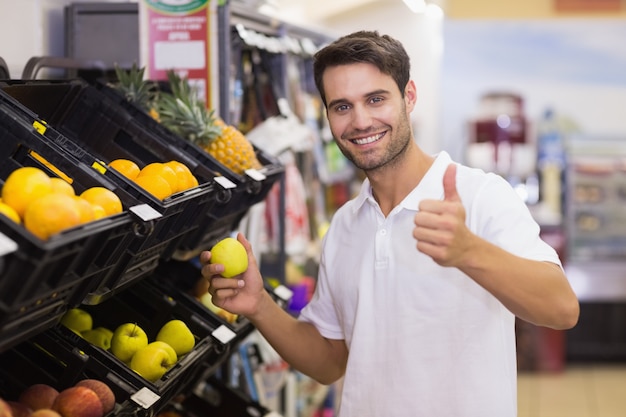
(368, 139)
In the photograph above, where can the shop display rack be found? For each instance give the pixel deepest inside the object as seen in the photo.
(98, 131)
(60, 358)
(41, 278)
(244, 190)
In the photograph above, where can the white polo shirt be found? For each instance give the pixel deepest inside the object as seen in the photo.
(423, 340)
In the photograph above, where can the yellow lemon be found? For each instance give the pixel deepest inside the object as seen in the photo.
(126, 167)
(155, 185)
(51, 214)
(24, 185)
(104, 198)
(10, 213)
(186, 179)
(162, 170)
(232, 254)
(59, 185)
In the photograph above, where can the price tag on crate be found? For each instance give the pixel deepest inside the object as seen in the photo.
(225, 182)
(6, 245)
(223, 334)
(145, 398)
(255, 174)
(283, 293)
(145, 212)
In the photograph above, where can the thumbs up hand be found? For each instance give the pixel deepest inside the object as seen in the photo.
(440, 227)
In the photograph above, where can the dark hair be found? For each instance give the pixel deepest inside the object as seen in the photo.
(382, 51)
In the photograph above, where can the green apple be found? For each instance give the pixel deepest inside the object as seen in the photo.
(127, 339)
(176, 334)
(152, 361)
(100, 336)
(232, 254)
(77, 320)
(170, 350)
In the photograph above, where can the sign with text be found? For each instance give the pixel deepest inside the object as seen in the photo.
(181, 35)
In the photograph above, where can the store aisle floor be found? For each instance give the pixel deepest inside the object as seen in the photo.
(581, 390)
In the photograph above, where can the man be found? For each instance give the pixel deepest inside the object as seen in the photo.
(421, 275)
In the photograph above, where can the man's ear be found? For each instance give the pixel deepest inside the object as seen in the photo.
(410, 96)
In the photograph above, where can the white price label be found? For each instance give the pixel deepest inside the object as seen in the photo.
(225, 182)
(255, 174)
(145, 212)
(145, 398)
(7, 245)
(283, 292)
(223, 334)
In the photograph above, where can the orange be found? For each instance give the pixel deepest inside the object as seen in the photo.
(51, 214)
(86, 210)
(24, 185)
(186, 179)
(104, 198)
(155, 185)
(59, 185)
(126, 167)
(98, 212)
(159, 168)
(10, 213)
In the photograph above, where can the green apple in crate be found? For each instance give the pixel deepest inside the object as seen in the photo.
(177, 334)
(153, 361)
(127, 339)
(77, 320)
(100, 336)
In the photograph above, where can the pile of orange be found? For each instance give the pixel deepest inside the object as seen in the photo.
(47, 205)
(161, 179)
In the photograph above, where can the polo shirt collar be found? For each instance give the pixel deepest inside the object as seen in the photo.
(430, 187)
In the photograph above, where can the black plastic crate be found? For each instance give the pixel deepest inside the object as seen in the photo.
(94, 130)
(107, 131)
(150, 309)
(38, 277)
(249, 189)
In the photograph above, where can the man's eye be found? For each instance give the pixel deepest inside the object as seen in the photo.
(341, 107)
(376, 99)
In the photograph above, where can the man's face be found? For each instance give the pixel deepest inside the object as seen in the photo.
(368, 116)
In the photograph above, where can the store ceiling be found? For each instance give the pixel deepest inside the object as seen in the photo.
(321, 9)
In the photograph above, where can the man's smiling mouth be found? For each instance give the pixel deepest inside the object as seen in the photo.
(368, 139)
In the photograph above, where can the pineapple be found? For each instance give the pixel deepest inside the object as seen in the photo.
(135, 89)
(187, 116)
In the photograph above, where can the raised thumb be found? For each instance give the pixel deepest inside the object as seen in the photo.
(449, 184)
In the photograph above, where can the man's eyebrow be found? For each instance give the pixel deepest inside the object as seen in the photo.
(366, 95)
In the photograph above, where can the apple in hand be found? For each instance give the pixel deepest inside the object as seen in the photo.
(176, 334)
(152, 362)
(232, 254)
(102, 390)
(127, 339)
(78, 402)
(38, 396)
(100, 336)
(77, 320)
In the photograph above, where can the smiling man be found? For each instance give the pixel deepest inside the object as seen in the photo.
(421, 274)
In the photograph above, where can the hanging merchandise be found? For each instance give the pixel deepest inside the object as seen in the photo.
(297, 233)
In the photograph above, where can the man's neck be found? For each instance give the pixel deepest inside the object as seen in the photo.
(391, 185)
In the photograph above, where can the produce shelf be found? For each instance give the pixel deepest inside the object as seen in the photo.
(39, 279)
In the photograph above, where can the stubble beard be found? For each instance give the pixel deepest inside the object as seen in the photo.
(392, 155)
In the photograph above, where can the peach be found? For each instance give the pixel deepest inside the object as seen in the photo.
(38, 396)
(19, 409)
(104, 392)
(45, 412)
(5, 409)
(78, 402)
